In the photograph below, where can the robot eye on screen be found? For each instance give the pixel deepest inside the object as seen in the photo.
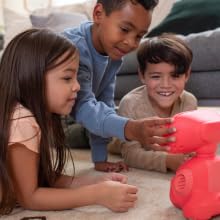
(196, 186)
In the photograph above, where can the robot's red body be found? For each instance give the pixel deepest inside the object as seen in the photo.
(196, 186)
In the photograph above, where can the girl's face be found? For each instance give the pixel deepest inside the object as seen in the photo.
(62, 86)
(163, 86)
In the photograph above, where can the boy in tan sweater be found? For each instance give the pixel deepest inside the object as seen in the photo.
(164, 68)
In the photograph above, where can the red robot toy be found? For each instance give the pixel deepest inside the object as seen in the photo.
(196, 186)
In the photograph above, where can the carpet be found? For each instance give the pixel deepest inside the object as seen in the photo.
(153, 197)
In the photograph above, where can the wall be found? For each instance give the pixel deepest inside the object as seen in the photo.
(23, 6)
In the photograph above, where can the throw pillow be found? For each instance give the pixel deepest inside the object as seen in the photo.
(205, 46)
(57, 21)
(190, 16)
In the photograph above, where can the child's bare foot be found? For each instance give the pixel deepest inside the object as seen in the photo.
(111, 166)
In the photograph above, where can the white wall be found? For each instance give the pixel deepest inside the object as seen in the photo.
(19, 5)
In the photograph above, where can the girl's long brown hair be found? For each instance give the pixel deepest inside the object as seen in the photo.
(23, 66)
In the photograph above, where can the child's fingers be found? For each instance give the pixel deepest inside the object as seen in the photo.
(157, 147)
(102, 166)
(123, 166)
(117, 167)
(122, 209)
(189, 156)
(132, 189)
(192, 154)
(158, 121)
(162, 140)
(111, 167)
(132, 197)
(114, 168)
(119, 177)
(128, 205)
(162, 131)
(104, 169)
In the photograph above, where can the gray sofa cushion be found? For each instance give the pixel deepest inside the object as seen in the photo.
(206, 49)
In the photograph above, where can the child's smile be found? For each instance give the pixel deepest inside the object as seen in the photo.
(166, 94)
(163, 86)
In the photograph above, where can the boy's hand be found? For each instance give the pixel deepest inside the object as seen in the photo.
(151, 132)
(111, 167)
(157, 147)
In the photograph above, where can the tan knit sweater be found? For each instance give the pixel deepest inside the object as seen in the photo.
(136, 105)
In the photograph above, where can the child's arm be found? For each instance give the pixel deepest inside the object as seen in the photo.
(147, 130)
(99, 156)
(23, 168)
(136, 156)
(65, 181)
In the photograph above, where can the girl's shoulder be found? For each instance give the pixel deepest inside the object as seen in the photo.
(24, 129)
(21, 112)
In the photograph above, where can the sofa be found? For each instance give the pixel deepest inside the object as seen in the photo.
(205, 77)
(204, 81)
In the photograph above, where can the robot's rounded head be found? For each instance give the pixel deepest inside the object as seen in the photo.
(195, 129)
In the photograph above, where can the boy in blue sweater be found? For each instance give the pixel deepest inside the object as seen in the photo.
(116, 30)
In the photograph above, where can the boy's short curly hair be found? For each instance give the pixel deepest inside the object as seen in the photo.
(113, 5)
(167, 48)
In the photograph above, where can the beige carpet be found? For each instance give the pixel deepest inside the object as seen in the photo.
(153, 198)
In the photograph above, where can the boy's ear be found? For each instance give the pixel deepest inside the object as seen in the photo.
(98, 13)
(141, 76)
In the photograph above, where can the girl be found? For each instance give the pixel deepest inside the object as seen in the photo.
(38, 83)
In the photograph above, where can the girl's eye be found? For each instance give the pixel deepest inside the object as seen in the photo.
(67, 78)
(124, 30)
